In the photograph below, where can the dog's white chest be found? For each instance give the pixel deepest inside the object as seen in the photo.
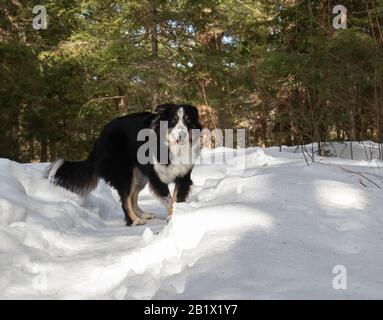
(180, 163)
(169, 173)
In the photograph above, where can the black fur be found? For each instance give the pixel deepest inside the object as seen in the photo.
(114, 157)
(76, 176)
(183, 185)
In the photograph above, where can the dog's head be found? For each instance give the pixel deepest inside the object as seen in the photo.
(181, 120)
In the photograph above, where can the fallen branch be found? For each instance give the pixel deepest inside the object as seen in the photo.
(103, 99)
(350, 171)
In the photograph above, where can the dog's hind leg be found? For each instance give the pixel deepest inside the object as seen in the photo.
(124, 182)
(130, 211)
(126, 192)
(139, 182)
(138, 210)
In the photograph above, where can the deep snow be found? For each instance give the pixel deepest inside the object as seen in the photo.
(274, 228)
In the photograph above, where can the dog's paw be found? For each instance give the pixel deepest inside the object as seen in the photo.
(168, 218)
(147, 216)
(138, 222)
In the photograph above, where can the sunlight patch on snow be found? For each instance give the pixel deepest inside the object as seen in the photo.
(339, 195)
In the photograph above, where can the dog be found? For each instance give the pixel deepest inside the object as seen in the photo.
(128, 155)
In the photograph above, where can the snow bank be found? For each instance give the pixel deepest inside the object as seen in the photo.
(259, 224)
(364, 150)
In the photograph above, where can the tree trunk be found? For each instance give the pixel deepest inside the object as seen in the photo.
(44, 150)
(154, 52)
(123, 102)
(154, 32)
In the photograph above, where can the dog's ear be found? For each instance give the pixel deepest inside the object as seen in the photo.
(162, 107)
(195, 111)
(195, 116)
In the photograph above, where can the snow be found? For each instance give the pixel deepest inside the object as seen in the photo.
(261, 224)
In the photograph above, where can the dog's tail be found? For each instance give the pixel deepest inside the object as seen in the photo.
(76, 176)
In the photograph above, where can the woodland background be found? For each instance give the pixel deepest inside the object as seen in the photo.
(277, 68)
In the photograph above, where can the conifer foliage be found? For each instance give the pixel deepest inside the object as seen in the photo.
(277, 68)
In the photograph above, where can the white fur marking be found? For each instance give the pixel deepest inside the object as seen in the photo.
(53, 170)
(169, 173)
(180, 154)
(179, 130)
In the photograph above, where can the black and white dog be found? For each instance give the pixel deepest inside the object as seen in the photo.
(128, 162)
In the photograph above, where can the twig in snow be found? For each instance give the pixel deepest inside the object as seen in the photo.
(351, 171)
(361, 182)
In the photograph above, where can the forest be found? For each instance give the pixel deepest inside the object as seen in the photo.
(278, 69)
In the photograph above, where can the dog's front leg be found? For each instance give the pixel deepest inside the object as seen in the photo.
(182, 188)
